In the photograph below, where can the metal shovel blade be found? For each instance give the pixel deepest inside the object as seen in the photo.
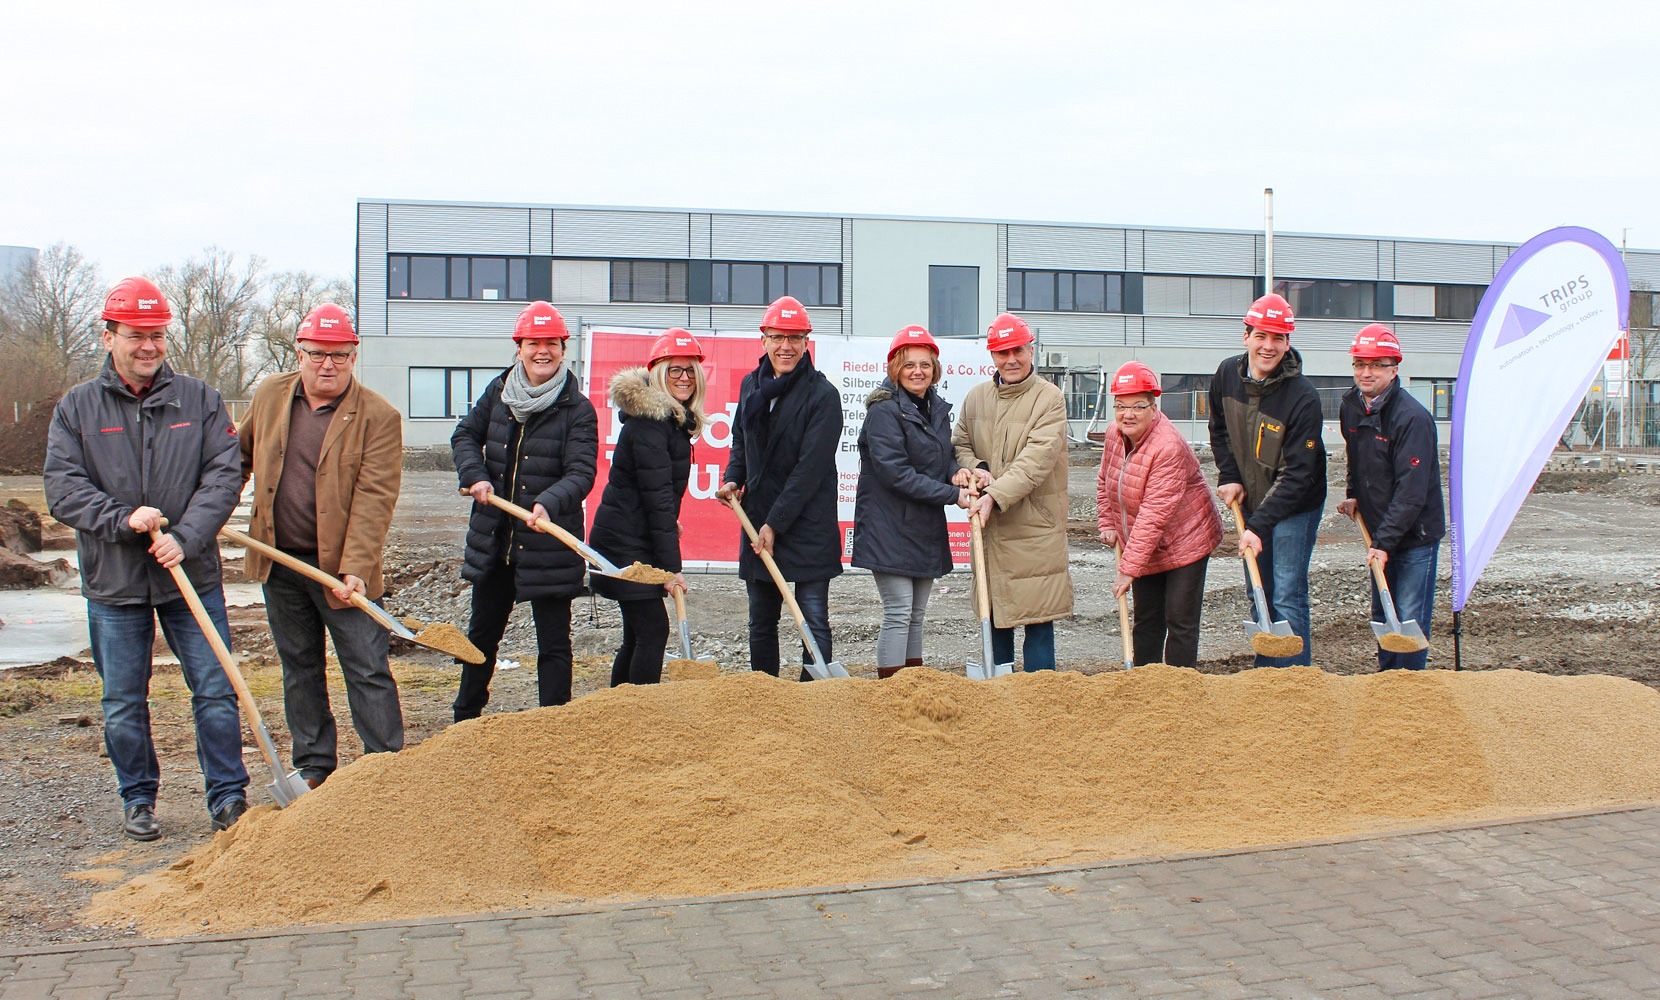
(287, 788)
(1396, 636)
(685, 640)
(986, 669)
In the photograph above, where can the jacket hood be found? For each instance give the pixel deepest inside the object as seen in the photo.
(887, 390)
(635, 396)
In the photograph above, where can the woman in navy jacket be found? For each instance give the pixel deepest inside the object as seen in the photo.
(905, 467)
(661, 409)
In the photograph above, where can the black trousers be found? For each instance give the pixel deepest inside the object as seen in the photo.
(493, 600)
(645, 634)
(765, 606)
(1167, 607)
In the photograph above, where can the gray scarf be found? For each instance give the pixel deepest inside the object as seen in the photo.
(526, 400)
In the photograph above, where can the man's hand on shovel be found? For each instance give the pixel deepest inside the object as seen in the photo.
(165, 548)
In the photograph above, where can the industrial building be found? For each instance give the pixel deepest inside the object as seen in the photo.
(440, 283)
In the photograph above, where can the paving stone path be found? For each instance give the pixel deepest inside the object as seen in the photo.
(1564, 907)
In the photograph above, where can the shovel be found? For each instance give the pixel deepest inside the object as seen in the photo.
(686, 668)
(1268, 638)
(1124, 617)
(1394, 635)
(818, 668)
(637, 573)
(443, 637)
(285, 788)
(987, 668)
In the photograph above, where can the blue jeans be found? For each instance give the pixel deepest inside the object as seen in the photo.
(1038, 649)
(1286, 552)
(765, 605)
(122, 636)
(1410, 574)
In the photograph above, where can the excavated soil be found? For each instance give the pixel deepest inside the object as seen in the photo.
(749, 783)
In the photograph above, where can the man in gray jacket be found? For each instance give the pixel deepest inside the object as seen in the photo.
(137, 444)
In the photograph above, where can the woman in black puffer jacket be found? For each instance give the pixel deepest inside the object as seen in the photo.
(533, 438)
(905, 466)
(661, 409)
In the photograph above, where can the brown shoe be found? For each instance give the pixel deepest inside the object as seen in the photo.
(883, 673)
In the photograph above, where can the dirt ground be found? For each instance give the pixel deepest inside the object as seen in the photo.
(1572, 589)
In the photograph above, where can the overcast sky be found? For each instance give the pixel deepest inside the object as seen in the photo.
(142, 133)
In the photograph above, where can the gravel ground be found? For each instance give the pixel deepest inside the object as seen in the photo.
(1572, 589)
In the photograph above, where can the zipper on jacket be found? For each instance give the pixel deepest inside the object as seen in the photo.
(513, 492)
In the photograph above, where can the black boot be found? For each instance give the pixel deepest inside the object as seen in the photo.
(139, 822)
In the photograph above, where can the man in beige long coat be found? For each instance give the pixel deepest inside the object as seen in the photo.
(1011, 446)
(326, 456)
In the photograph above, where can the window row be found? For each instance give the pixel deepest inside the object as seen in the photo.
(1451, 302)
(447, 392)
(422, 276)
(431, 276)
(1066, 291)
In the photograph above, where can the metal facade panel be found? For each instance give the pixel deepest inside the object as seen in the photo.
(1445, 263)
(582, 281)
(1220, 296)
(1066, 248)
(1056, 331)
(1414, 300)
(1386, 260)
(744, 318)
(702, 243)
(776, 238)
(459, 318)
(457, 229)
(1175, 252)
(847, 277)
(1644, 268)
(541, 231)
(371, 270)
(582, 233)
(1165, 295)
(1429, 338)
(1324, 257)
(1002, 269)
(633, 314)
(1218, 335)
(1135, 257)
(1325, 334)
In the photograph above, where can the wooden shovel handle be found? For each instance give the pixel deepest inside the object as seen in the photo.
(303, 568)
(679, 603)
(211, 633)
(1250, 557)
(1366, 536)
(542, 524)
(982, 589)
(1124, 614)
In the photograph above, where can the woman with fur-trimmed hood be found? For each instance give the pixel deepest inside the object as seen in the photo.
(661, 409)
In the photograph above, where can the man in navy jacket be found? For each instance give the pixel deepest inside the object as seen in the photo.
(1394, 483)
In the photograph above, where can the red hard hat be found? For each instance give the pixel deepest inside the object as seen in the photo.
(137, 302)
(1007, 332)
(787, 313)
(674, 343)
(327, 324)
(912, 336)
(539, 320)
(1271, 314)
(1376, 341)
(1134, 377)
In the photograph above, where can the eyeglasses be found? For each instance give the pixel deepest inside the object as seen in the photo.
(917, 366)
(140, 339)
(1134, 407)
(321, 357)
(675, 371)
(779, 339)
(1376, 366)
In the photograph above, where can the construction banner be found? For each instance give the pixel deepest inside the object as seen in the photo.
(710, 534)
(1538, 341)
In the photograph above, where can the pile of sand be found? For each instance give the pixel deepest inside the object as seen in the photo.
(747, 782)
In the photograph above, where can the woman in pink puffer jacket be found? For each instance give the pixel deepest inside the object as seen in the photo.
(1155, 503)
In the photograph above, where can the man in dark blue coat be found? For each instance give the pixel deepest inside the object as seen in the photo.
(127, 449)
(783, 465)
(1394, 482)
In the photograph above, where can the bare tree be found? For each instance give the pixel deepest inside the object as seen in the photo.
(289, 296)
(215, 304)
(49, 330)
